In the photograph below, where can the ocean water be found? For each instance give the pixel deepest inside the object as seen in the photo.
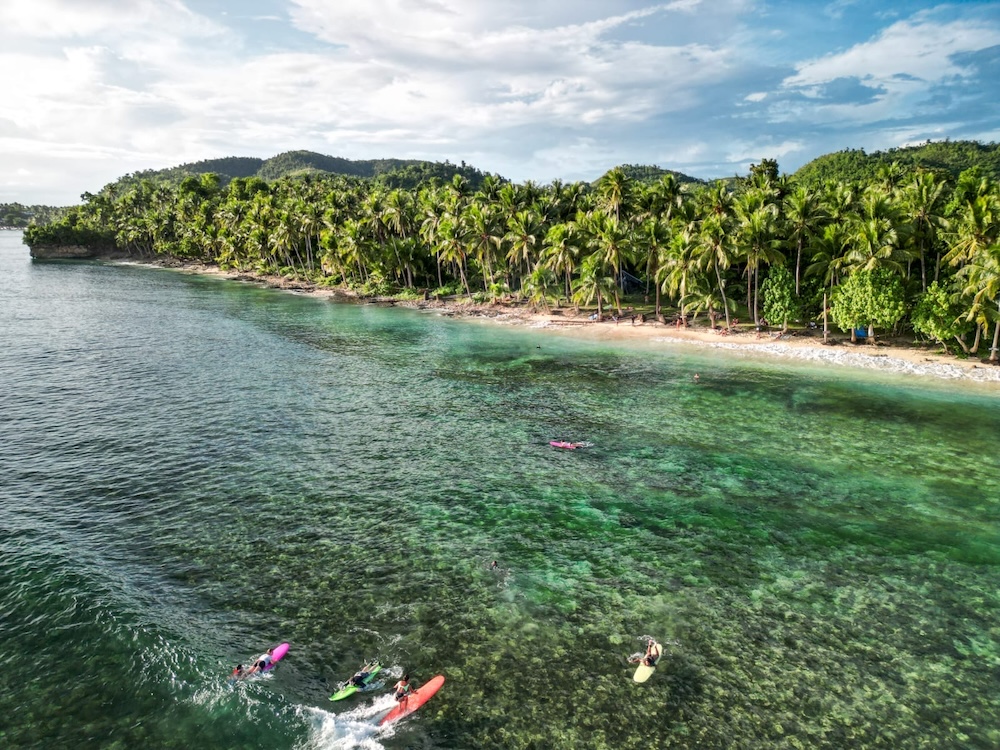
(195, 469)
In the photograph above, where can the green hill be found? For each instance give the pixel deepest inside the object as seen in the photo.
(948, 157)
(393, 172)
(18, 216)
(648, 174)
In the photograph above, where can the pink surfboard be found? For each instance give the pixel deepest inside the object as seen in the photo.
(414, 700)
(562, 444)
(278, 655)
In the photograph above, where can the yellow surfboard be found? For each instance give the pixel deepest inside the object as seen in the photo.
(643, 672)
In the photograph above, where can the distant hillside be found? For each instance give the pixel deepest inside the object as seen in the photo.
(406, 173)
(18, 216)
(229, 168)
(648, 174)
(950, 157)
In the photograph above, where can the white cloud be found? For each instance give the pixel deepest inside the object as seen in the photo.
(529, 88)
(454, 64)
(906, 50)
(83, 18)
(899, 68)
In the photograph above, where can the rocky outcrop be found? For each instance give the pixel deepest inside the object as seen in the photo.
(63, 252)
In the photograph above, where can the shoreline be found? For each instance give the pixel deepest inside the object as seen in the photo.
(916, 360)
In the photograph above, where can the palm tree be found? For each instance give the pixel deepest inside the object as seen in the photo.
(538, 286)
(615, 193)
(804, 216)
(981, 277)
(665, 196)
(452, 248)
(524, 237)
(755, 232)
(975, 228)
(875, 238)
(655, 234)
(593, 282)
(923, 200)
(611, 243)
(830, 256)
(353, 246)
(485, 236)
(715, 247)
(431, 213)
(399, 219)
(561, 251)
(889, 178)
(679, 270)
(703, 297)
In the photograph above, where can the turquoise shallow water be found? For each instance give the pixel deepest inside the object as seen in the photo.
(196, 469)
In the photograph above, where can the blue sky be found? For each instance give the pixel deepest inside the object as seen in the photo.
(91, 90)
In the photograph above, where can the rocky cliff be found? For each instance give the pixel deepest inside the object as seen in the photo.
(63, 252)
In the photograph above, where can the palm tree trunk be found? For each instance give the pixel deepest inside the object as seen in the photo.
(826, 324)
(923, 268)
(996, 336)
(465, 281)
(756, 297)
(750, 291)
(798, 262)
(722, 291)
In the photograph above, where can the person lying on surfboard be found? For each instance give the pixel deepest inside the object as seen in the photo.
(402, 688)
(359, 677)
(653, 652)
(261, 664)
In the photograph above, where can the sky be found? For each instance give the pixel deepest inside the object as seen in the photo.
(91, 90)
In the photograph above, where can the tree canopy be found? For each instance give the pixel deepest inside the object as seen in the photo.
(904, 250)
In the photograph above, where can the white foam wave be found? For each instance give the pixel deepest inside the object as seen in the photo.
(883, 362)
(356, 727)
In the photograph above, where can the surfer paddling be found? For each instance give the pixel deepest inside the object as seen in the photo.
(358, 680)
(565, 444)
(653, 653)
(262, 663)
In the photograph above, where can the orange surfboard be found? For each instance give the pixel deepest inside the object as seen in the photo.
(414, 700)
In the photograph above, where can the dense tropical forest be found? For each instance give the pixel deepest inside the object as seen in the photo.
(904, 249)
(16, 216)
(947, 158)
(404, 173)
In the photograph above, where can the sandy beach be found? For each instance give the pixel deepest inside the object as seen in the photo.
(925, 361)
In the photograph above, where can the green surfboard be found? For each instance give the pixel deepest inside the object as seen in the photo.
(350, 688)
